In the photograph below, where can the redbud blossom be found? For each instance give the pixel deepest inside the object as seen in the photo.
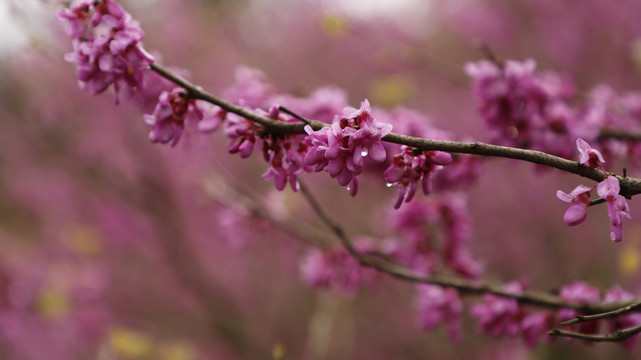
(522, 108)
(632, 319)
(618, 208)
(284, 153)
(535, 327)
(580, 200)
(498, 315)
(341, 148)
(588, 155)
(437, 305)
(579, 292)
(337, 269)
(408, 169)
(109, 52)
(172, 111)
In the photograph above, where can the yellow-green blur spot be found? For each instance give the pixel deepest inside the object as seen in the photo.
(392, 91)
(333, 25)
(130, 344)
(630, 255)
(278, 352)
(85, 240)
(629, 260)
(176, 351)
(53, 303)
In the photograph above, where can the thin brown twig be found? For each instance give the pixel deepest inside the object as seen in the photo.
(292, 113)
(542, 299)
(614, 313)
(615, 336)
(618, 135)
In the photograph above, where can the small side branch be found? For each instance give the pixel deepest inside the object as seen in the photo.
(541, 299)
(609, 314)
(616, 336)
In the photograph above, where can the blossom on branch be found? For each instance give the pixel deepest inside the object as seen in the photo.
(409, 168)
(172, 111)
(618, 208)
(284, 153)
(337, 269)
(437, 305)
(341, 149)
(580, 200)
(588, 155)
(522, 108)
(582, 293)
(108, 50)
(618, 294)
(497, 315)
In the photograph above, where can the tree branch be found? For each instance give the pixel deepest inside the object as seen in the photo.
(536, 298)
(609, 314)
(618, 135)
(615, 336)
(629, 185)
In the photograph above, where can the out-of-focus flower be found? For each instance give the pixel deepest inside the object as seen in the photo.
(172, 111)
(337, 269)
(498, 315)
(618, 294)
(582, 293)
(437, 305)
(535, 327)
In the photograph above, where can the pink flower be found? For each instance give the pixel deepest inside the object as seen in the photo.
(618, 208)
(341, 148)
(437, 305)
(285, 155)
(108, 51)
(337, 269)
(580, 200)
(588, 155)
(77, 16)
(582, 293)
(498, 315)
(171, 112)
(536, 326)
(617, 294)
(408, 169)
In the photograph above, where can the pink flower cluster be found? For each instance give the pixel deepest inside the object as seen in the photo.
(608, 190)
(174, 108)
(107, 46)
(337, 269)
(605, 109)
(524, 109)
(437, 305)
(341, 149)
(503, 316)
(499, 316)
(284, 154)
(445, 244)
(410, 167)
(582, 293)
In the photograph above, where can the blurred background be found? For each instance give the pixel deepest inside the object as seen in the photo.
(115, 248)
